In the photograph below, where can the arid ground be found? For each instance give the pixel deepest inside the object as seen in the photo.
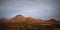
(22, 23)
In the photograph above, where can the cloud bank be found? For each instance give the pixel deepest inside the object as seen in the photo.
(42, 9)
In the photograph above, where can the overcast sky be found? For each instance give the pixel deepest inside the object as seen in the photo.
(42, 9)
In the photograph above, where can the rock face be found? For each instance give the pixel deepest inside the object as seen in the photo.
(3, 20)
(52, 20)
(18, 18)
(30, 19)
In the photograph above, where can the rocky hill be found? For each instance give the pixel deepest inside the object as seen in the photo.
(20, 22)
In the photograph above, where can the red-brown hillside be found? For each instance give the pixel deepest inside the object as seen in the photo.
(20, 18)
(22, 23)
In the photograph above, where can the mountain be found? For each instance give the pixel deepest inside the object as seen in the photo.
(3, 20)
(52, 20)
(21, 22)
(18, 18)
(21, 18)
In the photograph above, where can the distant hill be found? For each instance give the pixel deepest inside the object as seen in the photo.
(21, 22)
(21, 18)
